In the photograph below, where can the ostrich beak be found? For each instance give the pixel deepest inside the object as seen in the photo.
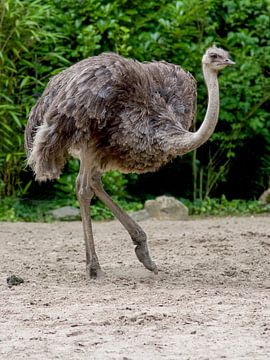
(229, 62)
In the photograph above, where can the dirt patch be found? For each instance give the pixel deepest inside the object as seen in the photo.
(210, 300)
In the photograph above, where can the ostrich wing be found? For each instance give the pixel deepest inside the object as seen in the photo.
(135, 102)
(109, 86)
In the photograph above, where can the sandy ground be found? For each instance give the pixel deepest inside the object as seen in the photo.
(210, 300)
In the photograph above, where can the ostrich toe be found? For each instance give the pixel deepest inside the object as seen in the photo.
(142, 253)
(94, 272)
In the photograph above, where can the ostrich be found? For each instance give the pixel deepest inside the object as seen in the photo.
(116, 113)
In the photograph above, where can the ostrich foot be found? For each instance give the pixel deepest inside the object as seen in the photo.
(94, 271)
(142, 253)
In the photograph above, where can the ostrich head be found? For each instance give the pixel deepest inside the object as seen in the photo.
(216, 58)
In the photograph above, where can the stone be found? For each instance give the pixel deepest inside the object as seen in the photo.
(265, 197)
(66, 213)
(140, 215)
(14, 280)
(166, 208)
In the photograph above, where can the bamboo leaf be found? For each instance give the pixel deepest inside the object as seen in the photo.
(16, 119)
(25, 81)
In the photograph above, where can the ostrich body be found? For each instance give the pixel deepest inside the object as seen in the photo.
(115, 113)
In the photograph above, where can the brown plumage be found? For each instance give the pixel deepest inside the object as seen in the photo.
(123, 109)
(115, 113)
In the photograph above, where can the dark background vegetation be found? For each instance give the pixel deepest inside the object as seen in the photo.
(40, 38)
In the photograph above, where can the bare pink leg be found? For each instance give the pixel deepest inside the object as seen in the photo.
(85, 194)
(137, 234)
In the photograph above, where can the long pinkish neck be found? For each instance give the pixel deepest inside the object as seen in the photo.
(184, 143)
(211, 117)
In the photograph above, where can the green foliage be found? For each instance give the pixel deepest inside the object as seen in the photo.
(223, 207)
(16, 209)
(32, 210)
(40, 38)
(26, 61)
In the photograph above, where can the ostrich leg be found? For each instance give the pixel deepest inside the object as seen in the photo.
(84, 195)
(138, 236)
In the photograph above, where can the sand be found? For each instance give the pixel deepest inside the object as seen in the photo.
(210, 300)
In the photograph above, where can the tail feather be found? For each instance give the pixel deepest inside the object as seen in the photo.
(48, 153)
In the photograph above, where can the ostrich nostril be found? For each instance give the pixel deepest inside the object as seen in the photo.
(229, 62)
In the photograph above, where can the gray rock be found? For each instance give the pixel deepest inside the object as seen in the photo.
(166, 208)
(14, 280)
(140, 215)
(265, 197)
(66, 213)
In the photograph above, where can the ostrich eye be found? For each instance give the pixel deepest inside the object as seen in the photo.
(214, 56)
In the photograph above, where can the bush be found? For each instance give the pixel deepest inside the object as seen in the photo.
(40, 38)
(36, 210)
(224, 207)
(26, 61)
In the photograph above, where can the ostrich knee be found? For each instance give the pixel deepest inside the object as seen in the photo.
(83, 191)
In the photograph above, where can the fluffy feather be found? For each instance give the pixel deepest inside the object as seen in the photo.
(122, 109)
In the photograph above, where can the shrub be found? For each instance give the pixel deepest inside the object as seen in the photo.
(40, 38)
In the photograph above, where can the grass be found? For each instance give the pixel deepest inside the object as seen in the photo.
(224, 207)
(15, 209)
